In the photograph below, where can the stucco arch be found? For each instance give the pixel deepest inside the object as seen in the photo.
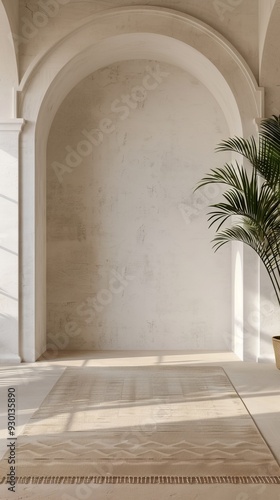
(119, 34)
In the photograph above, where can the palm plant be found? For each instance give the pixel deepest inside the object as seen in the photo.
(252, 197)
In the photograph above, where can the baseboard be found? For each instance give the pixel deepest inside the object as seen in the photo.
(266, 359)
(9, 359)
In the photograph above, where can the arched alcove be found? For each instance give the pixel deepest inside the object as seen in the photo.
(128, 253)
(120, 34)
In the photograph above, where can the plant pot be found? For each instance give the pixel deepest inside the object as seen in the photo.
(276, 347)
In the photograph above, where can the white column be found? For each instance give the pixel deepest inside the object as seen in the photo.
(251, 304)
(237, 299)
(9, 240)
(269, 318)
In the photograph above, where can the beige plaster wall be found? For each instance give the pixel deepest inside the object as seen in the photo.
(43, 22)
(130, 264)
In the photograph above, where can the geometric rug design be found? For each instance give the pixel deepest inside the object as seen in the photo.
(143, 425)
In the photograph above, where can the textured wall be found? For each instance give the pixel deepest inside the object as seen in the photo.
(42, 22)
(130, 264)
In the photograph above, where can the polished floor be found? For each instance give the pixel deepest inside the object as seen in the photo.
(257, 384)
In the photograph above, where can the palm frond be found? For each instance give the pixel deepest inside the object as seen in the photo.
(252, 198)
(246, 147)
(262, 246)
(269, 152)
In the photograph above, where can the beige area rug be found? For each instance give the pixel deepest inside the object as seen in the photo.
(143, 425)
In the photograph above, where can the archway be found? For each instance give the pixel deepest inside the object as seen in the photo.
(120, 34)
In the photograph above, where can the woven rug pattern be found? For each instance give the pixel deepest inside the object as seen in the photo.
(143, 425)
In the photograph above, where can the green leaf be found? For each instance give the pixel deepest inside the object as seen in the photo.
(253, 197)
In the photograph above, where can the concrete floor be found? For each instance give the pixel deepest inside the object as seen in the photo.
(257, 384)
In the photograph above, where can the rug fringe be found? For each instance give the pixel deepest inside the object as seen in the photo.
(146, 480)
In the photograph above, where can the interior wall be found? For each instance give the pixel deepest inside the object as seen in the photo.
(41, 26)
(129, 259)
(8, 61)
